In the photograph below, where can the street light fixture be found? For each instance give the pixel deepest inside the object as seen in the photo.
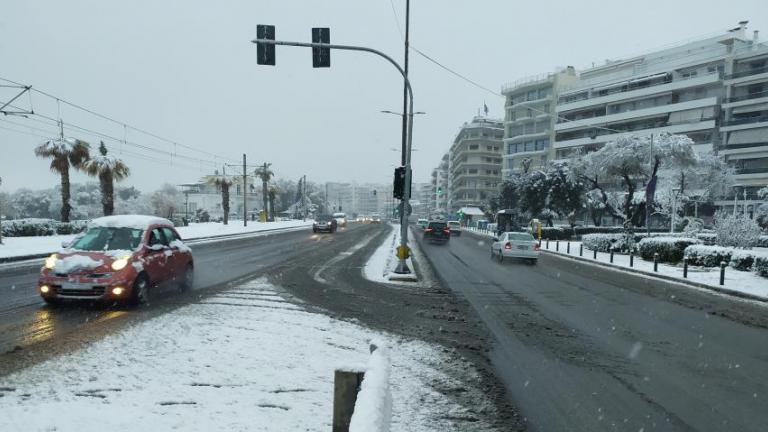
(400, 114)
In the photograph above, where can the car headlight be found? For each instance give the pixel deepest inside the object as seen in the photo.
(50, 262)
(120, 264)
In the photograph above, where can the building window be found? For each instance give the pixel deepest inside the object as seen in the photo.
(490, 148)
(529, 146)
(532, 95)
(474, 147)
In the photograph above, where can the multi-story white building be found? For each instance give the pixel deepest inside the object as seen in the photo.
(206, 196)
(439, 187)
(529, 119)
(744, 129)
(474, 163)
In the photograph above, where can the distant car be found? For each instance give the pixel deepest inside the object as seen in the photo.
(423, 223)
(119, 258)
(375, 219)
(324, 223)
(455, 227)
(437, 231)
(341, 219)
(515, 245)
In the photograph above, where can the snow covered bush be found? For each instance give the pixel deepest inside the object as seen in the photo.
(736, 230)
(31, 227)
(762, 241)
(708, 238)
(72, 227)
(556, 233)
(761, 265)
(604, 242)
(742, 259)
(670, 249)
(707, 256)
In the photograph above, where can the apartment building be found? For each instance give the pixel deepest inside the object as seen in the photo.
(439, 187)
(744, 128)
(529, 120)
(204, 195)
(474, 163)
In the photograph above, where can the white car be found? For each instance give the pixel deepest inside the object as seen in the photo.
(341, 219)
(515, 245)
(455, 227)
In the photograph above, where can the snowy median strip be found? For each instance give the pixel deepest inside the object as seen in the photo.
(382, 263)
(738, 282)
(243, 359)
(13, 247)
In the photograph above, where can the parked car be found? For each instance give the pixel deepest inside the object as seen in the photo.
(515, 245)
(341, 219)
(324, 223)
(437, 231)
(119, 258)
(455, 227)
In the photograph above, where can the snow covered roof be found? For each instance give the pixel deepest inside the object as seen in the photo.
(129, 221)
(472, 211)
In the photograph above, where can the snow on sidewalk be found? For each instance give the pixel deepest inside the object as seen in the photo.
(244, 359)
(23, 246)
(735, 280)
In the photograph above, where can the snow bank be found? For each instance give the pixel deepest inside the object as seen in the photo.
(373, 409)
(382, 263)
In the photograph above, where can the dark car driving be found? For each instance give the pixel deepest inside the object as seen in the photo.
(324, 223)
(437, 231)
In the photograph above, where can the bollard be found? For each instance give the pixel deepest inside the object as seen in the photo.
(581, 250)
(611, 255)
(547, 244)
(568, 248)
(685, 268)
(656, 262)
(722, 272)
(594, 254)
(631, 258)
(346, 385)
(557, 245)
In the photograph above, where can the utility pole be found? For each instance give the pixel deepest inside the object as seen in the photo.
(304, 197)
(1, 216)
(405, 83)
(245, 194)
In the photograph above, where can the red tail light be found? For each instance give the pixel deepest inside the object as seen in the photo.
(536, 246)
(447, 231)
(508, 245)
(429, 230)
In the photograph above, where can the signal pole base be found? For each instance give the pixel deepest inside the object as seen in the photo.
(402, 267)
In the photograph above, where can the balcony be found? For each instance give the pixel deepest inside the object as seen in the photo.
(603, 136)
(746, 73)
(755, 95)
(748, 120)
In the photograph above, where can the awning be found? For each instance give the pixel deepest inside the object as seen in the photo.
(749, 136)
(471, 211)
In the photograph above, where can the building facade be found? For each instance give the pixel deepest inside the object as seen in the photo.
(529, 120)
(439, 187)
(474, 163)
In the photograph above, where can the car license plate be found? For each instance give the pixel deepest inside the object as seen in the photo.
(521, 247)
(74, 286)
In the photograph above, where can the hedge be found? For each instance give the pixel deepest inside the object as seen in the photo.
(742, 259)
(605, 242)
(40, 227)
(707, 256)
(761, 265)
(670, 249)
(568, 233)
(762, 241)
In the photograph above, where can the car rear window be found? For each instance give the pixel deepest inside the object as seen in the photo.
(520, 236)
(454, 224)
(437, 225)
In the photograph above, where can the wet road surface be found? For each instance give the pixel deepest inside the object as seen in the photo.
(585, 348)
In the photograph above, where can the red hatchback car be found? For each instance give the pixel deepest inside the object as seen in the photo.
(119, 258)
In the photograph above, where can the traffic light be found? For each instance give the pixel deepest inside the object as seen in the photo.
(374, 192)
(321, 57)
(265, 53)
(399, 185)
(439, 190)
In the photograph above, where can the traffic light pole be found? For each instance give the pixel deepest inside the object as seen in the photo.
(403, 252)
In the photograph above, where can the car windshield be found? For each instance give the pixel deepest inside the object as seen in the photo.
(109, 238)
(520, 236)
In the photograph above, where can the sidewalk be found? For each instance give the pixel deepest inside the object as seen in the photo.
(740, 282)
(244, 359)
(31, 247)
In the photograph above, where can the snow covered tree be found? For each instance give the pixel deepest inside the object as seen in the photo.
(595, 204)
(109, 170)
(534, 189)
(222, 182)
(166, 200)
(65, 153)
(265, 174)
(272, 192)
(566, 194)
(761, 213)
(736, 230)
(31, 204)
(508, 197)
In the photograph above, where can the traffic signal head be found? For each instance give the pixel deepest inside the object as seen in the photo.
(321, 57)
(265, 53)
(399, 183)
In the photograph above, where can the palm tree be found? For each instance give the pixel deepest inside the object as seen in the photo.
(64, 153)
(223, 182)
(109, 170)
(265, 174)
(272, 195)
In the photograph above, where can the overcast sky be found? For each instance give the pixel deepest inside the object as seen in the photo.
(186, 71)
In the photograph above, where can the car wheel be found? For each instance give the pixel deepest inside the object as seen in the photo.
(53, 301)
(189, 279)
(314, 230)
(501, 256)
(533, 261)
(140, 291)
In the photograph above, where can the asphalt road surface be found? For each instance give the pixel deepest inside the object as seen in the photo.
(584, 348)
(31, 331)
